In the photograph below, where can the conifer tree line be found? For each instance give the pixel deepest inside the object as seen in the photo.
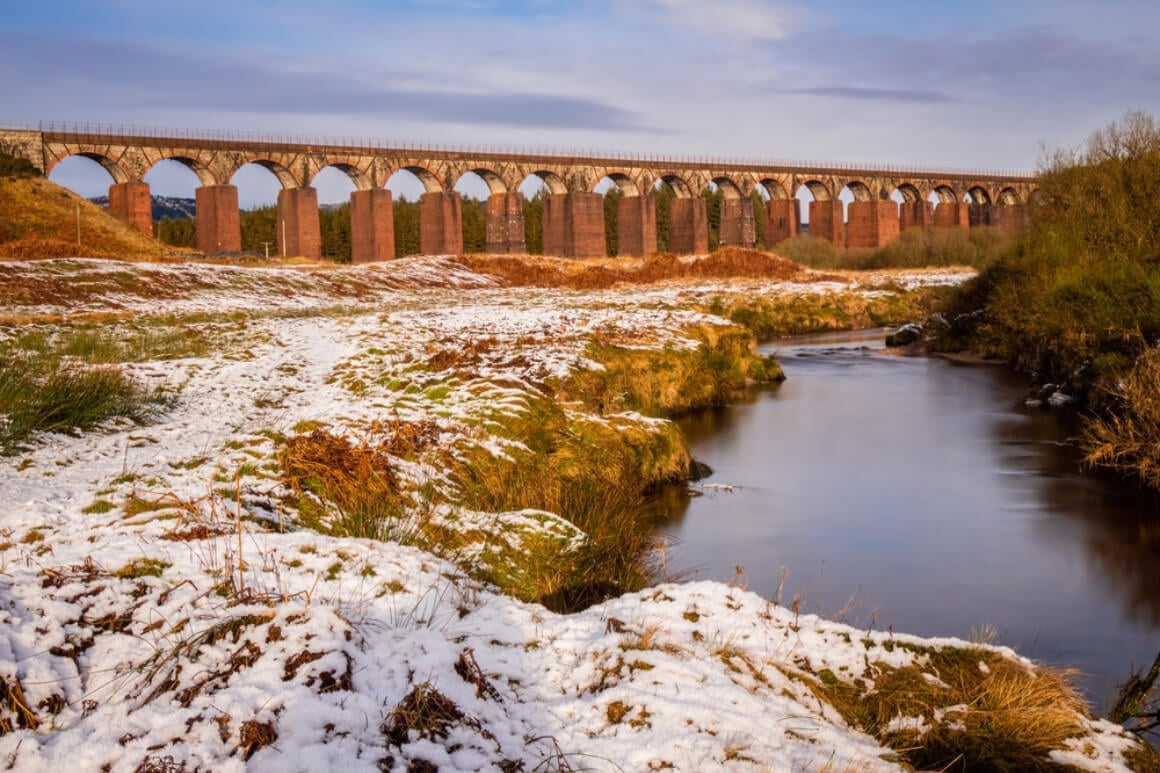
(259, 225)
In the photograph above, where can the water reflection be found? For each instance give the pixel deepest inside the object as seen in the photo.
(928, 490)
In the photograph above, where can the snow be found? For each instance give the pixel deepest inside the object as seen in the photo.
(257, 624)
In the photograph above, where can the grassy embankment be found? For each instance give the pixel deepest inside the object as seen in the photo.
(1077, 302)
(580, 458)
(43, 220)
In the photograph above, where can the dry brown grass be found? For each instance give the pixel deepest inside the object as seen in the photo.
(600, 273)
(354, 477)
(980, 710)
(15, 712)
(38, 219)
(1128, 439)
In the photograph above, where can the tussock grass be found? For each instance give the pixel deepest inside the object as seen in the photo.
(47, 394)
(345, 487)
(963, 710)
(118, 344)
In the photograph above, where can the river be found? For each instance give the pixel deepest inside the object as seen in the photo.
(928, 493)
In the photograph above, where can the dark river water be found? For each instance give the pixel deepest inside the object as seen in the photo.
(933, 496)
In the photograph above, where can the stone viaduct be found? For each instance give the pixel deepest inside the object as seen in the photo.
(886, 200)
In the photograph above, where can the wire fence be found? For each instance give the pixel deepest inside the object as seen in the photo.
(218, 138)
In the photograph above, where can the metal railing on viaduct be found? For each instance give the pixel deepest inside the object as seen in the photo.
(573, 214)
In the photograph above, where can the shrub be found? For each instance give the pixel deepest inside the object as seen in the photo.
(14, 168)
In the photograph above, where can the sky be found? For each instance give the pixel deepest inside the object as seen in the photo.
(985, 84)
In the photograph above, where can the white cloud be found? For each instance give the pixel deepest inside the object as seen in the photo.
(738, 19)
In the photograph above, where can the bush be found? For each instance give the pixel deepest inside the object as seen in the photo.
(15, 168)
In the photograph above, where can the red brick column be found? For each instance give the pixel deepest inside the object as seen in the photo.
(636, 226)
(738, 228)
(132, 203)
(574, 225)
(1010, 217)
(951, 214)
(826, 222)
(299, 234)
(372, 226)
(440, 223)
(505, 224)
(688, 226)
(915, 214)
(783, 220)
(871, 223)
(218, 222)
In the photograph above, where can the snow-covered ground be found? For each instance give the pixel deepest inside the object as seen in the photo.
(148, 621)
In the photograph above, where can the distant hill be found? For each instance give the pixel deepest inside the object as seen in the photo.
(39, 219)
(164, 207)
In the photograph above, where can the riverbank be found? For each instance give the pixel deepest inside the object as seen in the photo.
(165, 605)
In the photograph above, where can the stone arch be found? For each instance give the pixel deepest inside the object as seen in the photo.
(115, 170)
(553, 181)
(977, 194)
(494, 182)
(728, 187)
(623, 181)
(428, 179)
(945, 193)
(818, 189)
(860, 190)
(909, 192)
(362, 181)
(679, 185)
(204, 174)
(1008, 196)
(284, 175)
(774, 188)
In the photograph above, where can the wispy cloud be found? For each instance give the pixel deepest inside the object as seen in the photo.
(881, 95)
(736, 19)
(137, 77)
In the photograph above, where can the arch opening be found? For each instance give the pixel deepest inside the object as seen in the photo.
(173, 184)
(474, 191)
(86, 174)
(407, 186)
(258, 185)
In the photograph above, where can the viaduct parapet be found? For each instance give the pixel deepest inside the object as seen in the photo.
(573, 212)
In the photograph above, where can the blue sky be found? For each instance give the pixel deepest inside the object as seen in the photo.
(977, 84)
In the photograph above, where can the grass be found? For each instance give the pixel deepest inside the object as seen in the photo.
(964, 710)
(541, 271)
(1128, 438)
(978, 247)
(346, 487)
(47, 394)
(673, 380)
(592, 473)
(39, 220)
(769, 318)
